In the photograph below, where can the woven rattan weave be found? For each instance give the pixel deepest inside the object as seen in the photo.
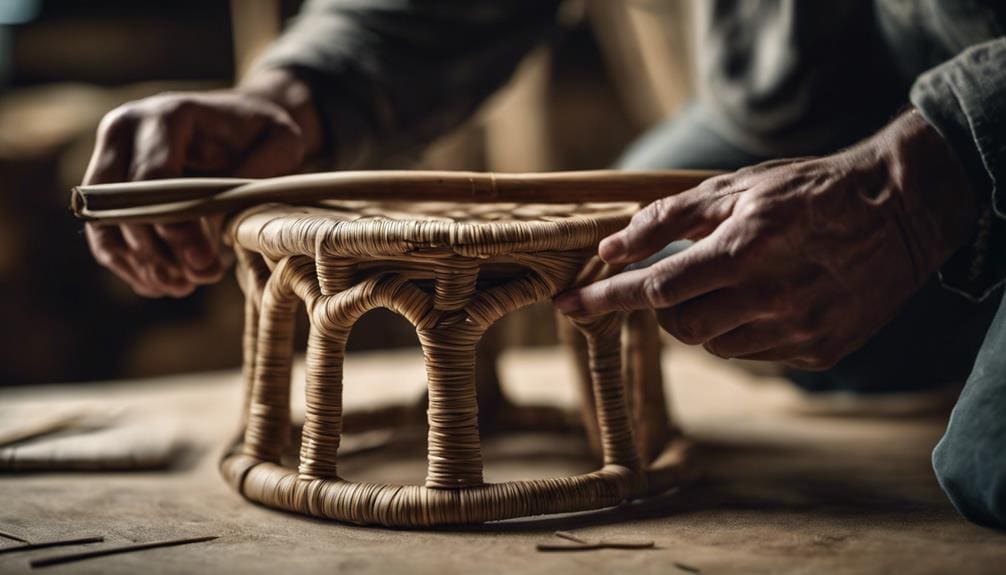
(451, 270)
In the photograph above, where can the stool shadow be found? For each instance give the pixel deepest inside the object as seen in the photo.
(778, 480)
(735, 477)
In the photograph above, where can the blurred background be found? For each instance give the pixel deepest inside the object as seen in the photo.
(575, 104)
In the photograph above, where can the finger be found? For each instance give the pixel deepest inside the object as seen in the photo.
(193, 247)
(149, 257)
(754, 338)
(159, 146)
(785, 353)
(107, 246)
(113, 148)
(698, 270)
(110, 250)
(110, 162)
(158, 152)
(796, 356)
(689, 215)
(279, 151)
(811, 355)
(707, 316)
(214, 230)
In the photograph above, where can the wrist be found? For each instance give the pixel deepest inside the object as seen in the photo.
(285, 89)
(938, 202)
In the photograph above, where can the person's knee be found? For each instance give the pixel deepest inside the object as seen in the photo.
(972, 474)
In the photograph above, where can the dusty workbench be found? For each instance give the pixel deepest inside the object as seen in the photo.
(783, 492)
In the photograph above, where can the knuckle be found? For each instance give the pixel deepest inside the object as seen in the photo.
(119, 121)
(656, 290)
(654, 215)
(735, 249)
(172, 105)
(662, 210)
(612, 293)
(177, 108)
(717, 184)
(750, 207)
(745, 245)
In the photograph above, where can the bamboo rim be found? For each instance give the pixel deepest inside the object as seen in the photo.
(187, 198)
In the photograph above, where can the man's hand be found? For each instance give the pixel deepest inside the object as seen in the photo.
(798, 261)
(261, 130)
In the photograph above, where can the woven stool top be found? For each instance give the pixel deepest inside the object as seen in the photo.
(369, 229)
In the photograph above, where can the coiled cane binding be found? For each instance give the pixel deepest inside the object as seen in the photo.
(451, 270)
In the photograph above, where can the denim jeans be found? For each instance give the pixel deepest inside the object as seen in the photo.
(938, 338)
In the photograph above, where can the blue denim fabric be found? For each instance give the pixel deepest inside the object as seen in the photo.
(970, 459)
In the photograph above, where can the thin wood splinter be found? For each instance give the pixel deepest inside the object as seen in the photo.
(12, 537)
(581, 544)
(71, 557)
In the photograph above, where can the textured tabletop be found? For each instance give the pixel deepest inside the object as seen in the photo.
(784, 492)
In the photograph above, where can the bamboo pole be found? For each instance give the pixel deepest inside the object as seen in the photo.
(187, 198)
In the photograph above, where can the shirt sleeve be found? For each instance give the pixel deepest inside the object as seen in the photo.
(965, 100)
(390, 75)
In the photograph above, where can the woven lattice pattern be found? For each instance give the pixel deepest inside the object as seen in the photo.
(452, 271)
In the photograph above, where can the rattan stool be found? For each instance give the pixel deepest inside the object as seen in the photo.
(451, 270)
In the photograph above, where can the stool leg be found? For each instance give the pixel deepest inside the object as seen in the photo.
(252, 274)
(577, 344)
(645, 384)
(323, 414)
(249, 341)
(454, 450)
(268, 430)
(605, 350)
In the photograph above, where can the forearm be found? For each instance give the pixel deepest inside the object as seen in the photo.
(388, 77)
(285, 88)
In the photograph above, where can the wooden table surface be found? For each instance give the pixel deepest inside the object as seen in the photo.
(783, 492)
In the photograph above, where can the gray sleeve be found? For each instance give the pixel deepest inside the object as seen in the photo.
(965, 100)
(390, 75)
